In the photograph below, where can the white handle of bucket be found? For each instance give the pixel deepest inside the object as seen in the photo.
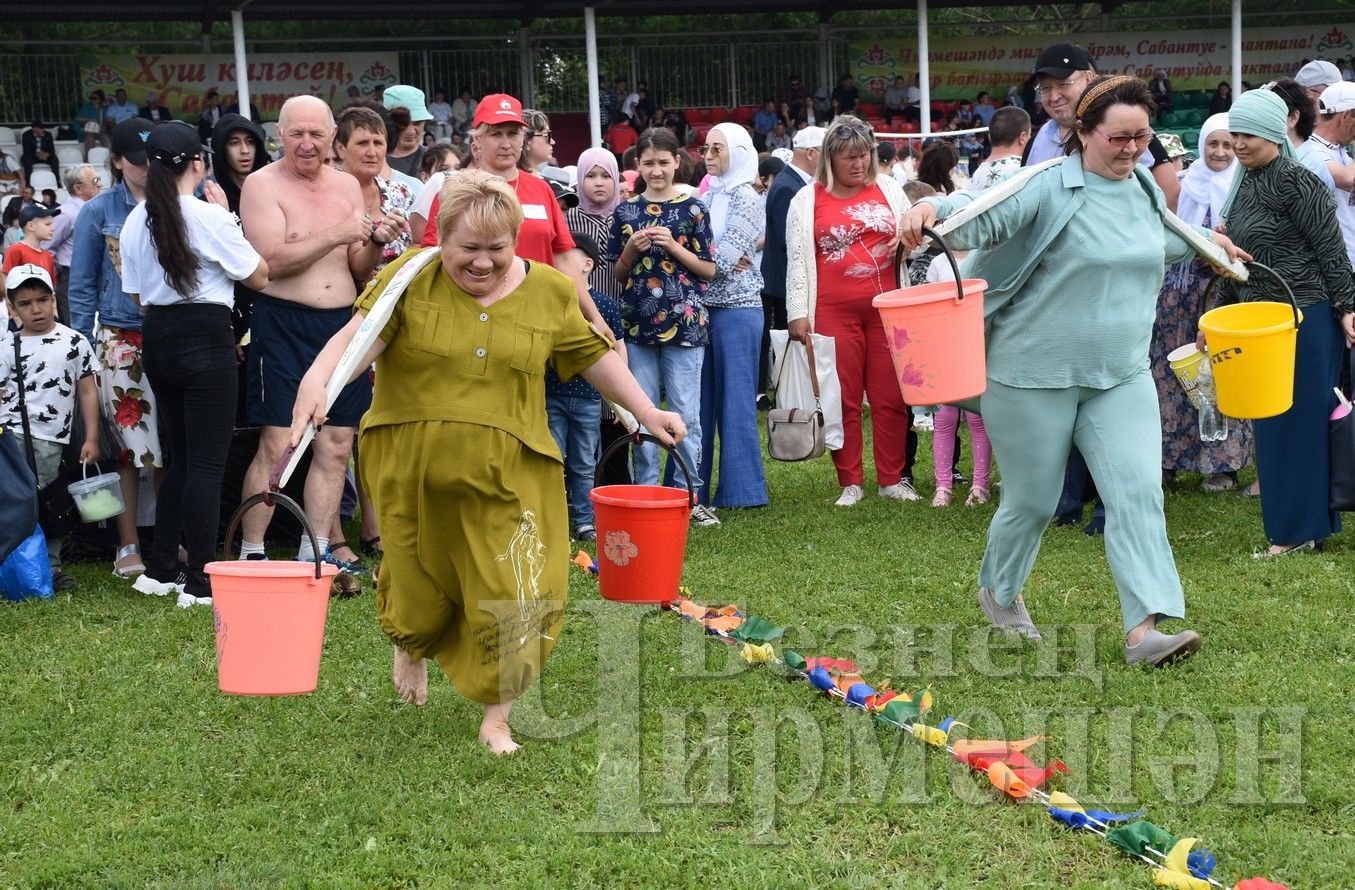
(273, 498)
(1214, 282)
(636, 440)
(84, 469)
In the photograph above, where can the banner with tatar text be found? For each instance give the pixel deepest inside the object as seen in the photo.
(1193, 60)
(181, 81)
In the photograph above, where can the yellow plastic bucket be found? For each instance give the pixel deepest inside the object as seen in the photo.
(1251, 352)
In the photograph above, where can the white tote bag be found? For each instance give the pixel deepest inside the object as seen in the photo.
(795, 389)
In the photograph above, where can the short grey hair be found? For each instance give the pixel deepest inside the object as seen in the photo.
(75, 175)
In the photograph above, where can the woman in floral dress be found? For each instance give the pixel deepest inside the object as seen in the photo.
(1179, 307)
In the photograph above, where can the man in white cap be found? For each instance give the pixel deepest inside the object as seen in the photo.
(1334, 131)
(793, 177)
(1316, 76)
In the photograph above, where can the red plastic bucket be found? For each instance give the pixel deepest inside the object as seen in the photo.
(270, 617)
(935, 337)
(642, 535)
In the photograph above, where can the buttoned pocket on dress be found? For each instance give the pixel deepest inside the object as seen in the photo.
(529, 350)
(430, 328)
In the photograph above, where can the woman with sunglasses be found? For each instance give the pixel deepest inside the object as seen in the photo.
(1283, 214)
(729, 375)
(1075, 261)
(538, 150)
(841, 235)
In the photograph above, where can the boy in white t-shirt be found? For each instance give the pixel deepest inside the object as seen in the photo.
(58, 370)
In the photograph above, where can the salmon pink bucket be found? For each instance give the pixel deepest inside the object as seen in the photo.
(270, 616)
(642, 534)
(935, 336)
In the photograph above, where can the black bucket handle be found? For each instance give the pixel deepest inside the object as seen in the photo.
(279, 499)
(1214, 283)
(899, 256)
(636, 439)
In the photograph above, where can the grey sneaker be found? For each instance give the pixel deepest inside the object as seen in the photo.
(1158, 649)
(704, 516)
(900, 491)
(1014, 617)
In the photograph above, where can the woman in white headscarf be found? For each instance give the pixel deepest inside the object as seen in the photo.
(729, 381)
(1204, 188)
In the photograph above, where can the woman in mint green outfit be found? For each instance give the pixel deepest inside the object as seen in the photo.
(1074, 263)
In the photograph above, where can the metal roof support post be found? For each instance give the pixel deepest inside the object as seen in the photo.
(924, 68)
(525, 66)
(825, 62)
(590, 38)
(1237, 47)
(241, 65)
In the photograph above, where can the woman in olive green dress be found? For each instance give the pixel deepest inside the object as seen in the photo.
(461, 467)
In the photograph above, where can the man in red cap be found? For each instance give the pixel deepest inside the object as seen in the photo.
(497, 135)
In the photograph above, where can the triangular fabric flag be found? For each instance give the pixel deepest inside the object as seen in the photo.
(795, 661)
(992, 749)
(902, 712)
(1007, 782)
(1166, 878)
(757, 630)
(1258, 884)
(857, 694)
(1076, 817)
(1065, 802)
(929, 734)
(1135, 837)
(586, 562)
(1182, 858)
(1201, 863)
(845, 682)
(821, 679)
(878, 701)
(755, 654)
(723, 623)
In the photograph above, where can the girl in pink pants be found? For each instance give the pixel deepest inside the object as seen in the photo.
(943, 455)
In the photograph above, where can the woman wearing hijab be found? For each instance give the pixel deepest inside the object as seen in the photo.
(599, 192)
(1204, 186)
(1286, 218)
(729, 377)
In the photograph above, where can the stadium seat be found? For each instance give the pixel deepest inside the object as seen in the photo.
(7, 137)
(743, 114)
(699, 131)
(695, 115)
(69, 154)
(43, 178)
(718, 115)
(870, 109)
(98, 158)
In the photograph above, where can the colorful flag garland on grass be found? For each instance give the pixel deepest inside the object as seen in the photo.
(1175, 861)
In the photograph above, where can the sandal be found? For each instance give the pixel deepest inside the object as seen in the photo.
(370, 546)
(122, 569)
(941, 498)
(356, 560)
(977, 495)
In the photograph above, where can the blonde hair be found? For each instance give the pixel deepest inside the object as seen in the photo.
(846, 132)
(484, 201)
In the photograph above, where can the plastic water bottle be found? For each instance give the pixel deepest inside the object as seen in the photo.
(1213, 425)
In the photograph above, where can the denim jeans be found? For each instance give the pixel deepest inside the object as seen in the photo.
(676, 370)
(576, 426)
(729, 407)
(189, 355)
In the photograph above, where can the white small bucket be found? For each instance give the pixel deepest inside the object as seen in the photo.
(98, 498)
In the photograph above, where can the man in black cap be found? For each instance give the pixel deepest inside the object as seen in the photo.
(38, 148)
(1062, 72)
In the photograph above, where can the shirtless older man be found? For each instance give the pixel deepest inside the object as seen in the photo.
(308, 221)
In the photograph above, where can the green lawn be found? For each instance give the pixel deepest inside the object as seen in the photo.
(654, 756)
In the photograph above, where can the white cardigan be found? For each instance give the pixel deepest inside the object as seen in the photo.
(802, 278)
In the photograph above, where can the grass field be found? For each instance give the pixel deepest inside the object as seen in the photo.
(654, 756)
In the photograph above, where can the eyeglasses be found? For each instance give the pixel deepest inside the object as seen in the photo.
(545, 134)
(97, 180)
(1072, 84)
(713, 151)
(1121, 142)
(847, 131)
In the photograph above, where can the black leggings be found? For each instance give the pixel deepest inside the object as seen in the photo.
(188, 351)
